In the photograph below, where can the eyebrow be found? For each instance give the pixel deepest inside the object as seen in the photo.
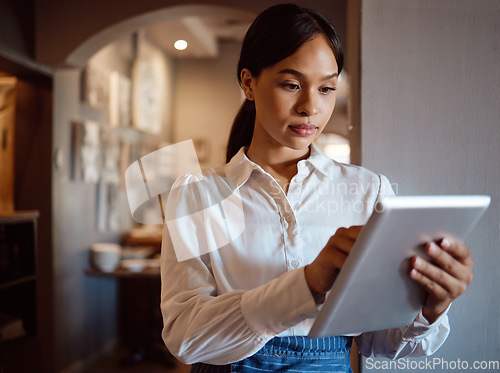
(300, 75)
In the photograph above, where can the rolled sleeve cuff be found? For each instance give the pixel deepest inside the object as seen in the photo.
(421, 328)
(280, 304)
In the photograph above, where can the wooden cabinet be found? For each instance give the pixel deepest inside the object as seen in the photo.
(18, 291)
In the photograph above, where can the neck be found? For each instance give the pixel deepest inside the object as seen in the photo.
(280, 163)
(279, 158)
(266, 152)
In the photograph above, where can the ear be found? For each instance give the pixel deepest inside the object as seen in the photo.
(247, 82)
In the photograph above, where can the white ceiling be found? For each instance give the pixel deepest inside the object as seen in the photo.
(202, 33)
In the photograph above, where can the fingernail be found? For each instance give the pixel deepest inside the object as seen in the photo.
(431, 248)
(445, 243)
(417, 262)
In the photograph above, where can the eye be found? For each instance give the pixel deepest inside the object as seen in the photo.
(326, 90)
(290, 86)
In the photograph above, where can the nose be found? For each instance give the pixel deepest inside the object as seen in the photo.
(308, 104)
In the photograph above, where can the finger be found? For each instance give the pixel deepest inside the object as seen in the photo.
(353, 231)
(451, 285)
(431, 286)
(341, 242)
(448, 263)
(337, 259)
(328, 260)
(455, 248)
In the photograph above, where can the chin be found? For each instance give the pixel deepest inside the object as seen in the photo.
(300, 145)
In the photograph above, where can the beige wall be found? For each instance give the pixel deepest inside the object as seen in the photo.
(207, 97)
(84, 308)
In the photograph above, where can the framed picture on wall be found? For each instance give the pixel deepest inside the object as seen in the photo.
(96, 85)
(125, 100)
(120, 100)
(86, 152)
(109, 185)
(147, 95)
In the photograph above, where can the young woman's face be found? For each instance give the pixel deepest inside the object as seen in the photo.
(294, 99)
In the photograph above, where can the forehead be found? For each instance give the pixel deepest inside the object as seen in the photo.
(314, 57)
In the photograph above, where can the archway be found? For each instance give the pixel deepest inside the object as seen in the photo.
(81, 54)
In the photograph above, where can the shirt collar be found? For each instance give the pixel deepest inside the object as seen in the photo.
(240, 167)
(319, 161)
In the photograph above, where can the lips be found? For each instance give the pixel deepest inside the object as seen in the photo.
(303, 129)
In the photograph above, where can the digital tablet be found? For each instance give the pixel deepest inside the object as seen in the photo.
(373, 290)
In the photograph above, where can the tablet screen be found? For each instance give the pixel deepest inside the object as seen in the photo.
(373, 290)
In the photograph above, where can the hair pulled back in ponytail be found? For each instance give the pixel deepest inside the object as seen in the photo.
(275, 34)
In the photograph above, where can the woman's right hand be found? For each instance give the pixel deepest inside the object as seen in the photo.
(321, 273)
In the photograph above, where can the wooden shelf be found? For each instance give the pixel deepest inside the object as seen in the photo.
(13, 217)
(17, 281)
(122, 272)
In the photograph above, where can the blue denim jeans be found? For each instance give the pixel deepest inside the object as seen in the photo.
(292, 354)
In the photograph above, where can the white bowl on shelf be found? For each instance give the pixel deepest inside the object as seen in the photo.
(139, 265)
(105, 256)
(154, 263)
(134, 265)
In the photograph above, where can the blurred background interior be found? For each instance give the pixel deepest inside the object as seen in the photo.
(79, 278)
(89, 87)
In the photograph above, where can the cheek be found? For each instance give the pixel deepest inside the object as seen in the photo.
(327, 111)
(329, 106)
(273, 104)
(283, 102)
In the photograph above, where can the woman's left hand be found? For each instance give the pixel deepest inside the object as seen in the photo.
(446, 278)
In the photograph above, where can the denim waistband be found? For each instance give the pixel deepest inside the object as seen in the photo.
(286, 349)
(304, 346)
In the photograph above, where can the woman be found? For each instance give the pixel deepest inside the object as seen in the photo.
(247, 303)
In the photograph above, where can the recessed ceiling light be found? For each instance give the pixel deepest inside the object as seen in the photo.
(180, 45)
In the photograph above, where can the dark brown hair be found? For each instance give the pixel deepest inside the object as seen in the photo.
(275, 34)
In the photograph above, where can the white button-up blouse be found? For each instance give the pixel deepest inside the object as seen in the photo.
(233, 256)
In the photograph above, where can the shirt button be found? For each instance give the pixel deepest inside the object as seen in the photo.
(298, 180)
(289, 218)
(294, 263)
